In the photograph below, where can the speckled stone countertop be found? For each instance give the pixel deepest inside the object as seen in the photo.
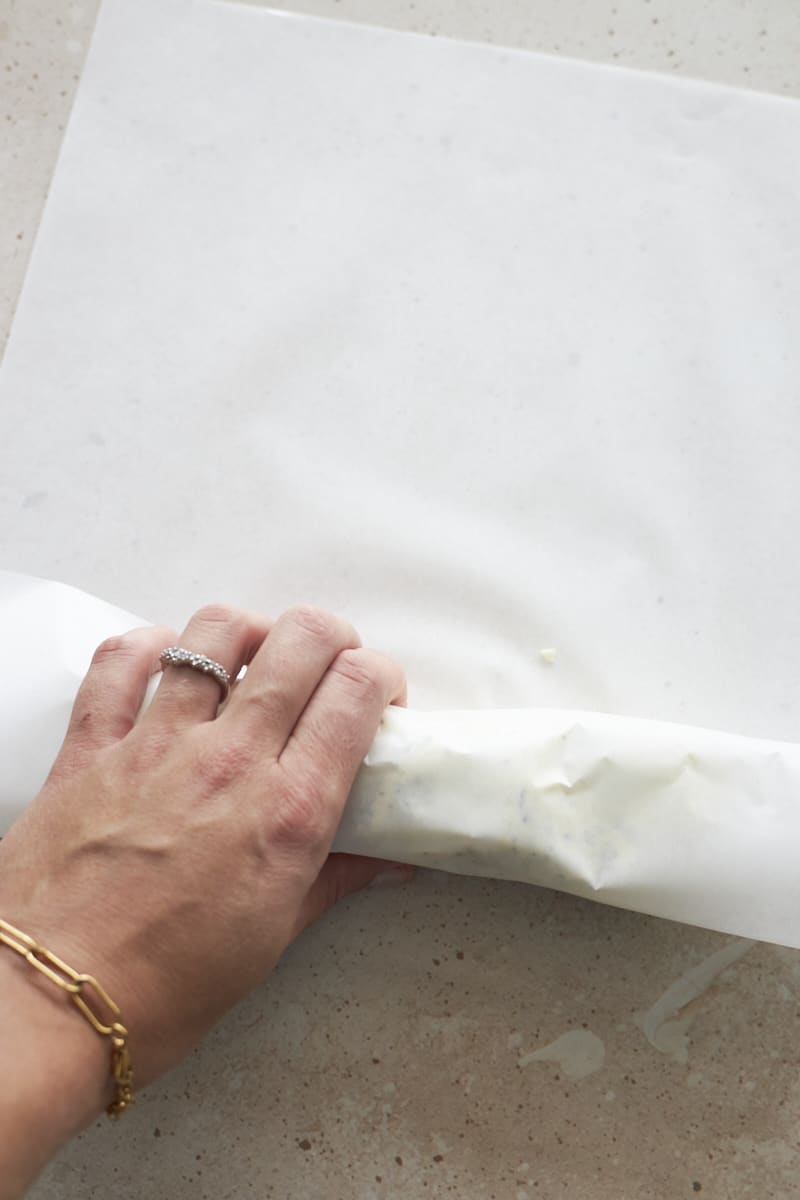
(459, 1037)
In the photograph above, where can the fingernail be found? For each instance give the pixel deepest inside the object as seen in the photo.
(392, 877)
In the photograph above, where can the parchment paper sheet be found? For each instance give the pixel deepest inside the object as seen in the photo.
(488, 351)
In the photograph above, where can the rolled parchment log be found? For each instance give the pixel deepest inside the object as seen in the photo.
(671, 820)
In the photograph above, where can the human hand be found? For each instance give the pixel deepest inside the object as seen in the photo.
(175, 859)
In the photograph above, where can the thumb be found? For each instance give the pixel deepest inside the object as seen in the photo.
(343, 874)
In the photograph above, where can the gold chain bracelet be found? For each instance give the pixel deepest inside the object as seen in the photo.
(77, 985)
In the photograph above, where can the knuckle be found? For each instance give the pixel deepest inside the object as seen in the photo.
(316, 622)
(361, 672)
(119, 648)
(267, 703)
(218, 614)
(299, 818)
(222, 764)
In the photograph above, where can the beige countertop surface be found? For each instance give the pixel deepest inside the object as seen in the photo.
(459, 1037)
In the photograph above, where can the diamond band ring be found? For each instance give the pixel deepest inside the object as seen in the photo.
(177, 656)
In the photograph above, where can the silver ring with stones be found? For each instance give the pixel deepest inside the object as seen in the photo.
(177, 656)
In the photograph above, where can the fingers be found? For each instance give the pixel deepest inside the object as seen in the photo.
(228, 636)
(330, 741)
(343, 874)
(285, 673)
(111, 695)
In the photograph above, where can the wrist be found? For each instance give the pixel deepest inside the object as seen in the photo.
(55, 1077)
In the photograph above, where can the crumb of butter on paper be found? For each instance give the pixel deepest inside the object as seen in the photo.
(548, 655)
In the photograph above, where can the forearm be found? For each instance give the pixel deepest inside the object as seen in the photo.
(54, 1073)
